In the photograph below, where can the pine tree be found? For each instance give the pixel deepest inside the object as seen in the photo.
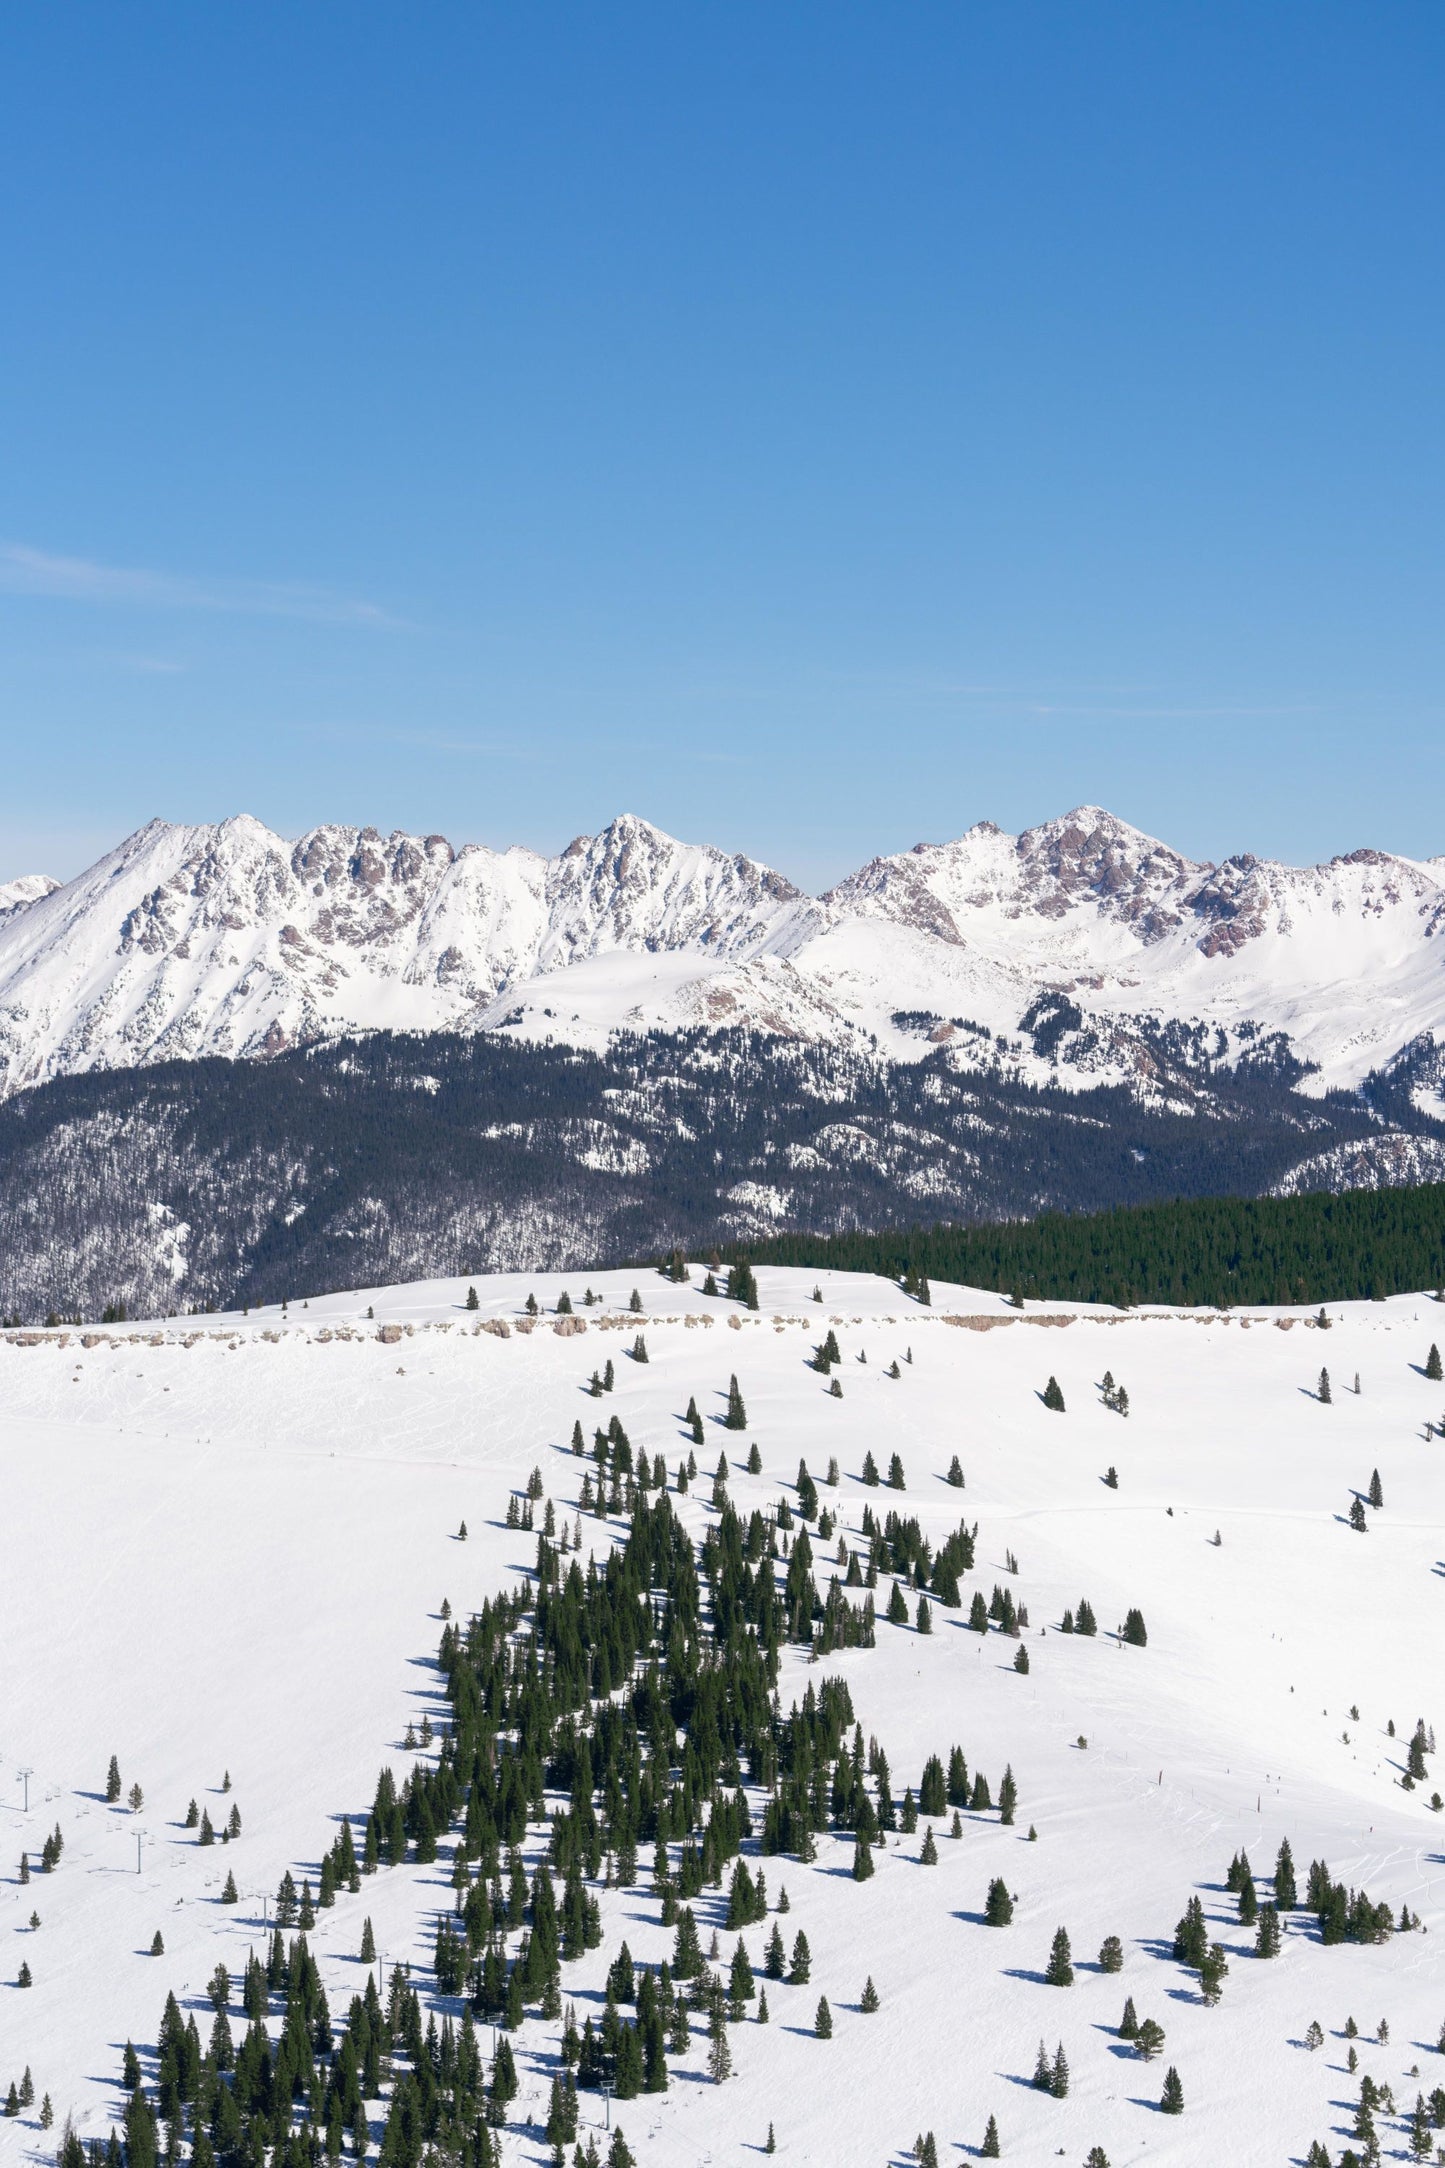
(897, 1612)
(1021, 1660)
(12, 2100)
(1129, 2022)
(1433, 1370)
(1043, 2076)
(1086, 1624)
(472, 1302)
(719, 2053)
(1149, 2039)
(923, 1617)
(1322, 1394)
(772, 2144)
(22, 1977)
(1111, 1954)
(112, 1782)
(737, 1415)
(1357, 1515)
(895, 1474)
(1134, 1631)
(158, 1948)
(229, 1895)
(802, 1961)
(1266, 1941)
(998, 1909)
(27, 2089)
(1053, 1397)
(47, 2113)
(1060, 1969)
(1285, 1893)
(928, 1857)
(1059, 2077)
(1212, 1971)
(1172, 2099)
(368, 1943)
(1376, 1492)
(868, 2001)
(955, 1473)
(775, 1956)
(862, 1858)
(990, 2149)
(823, 2020)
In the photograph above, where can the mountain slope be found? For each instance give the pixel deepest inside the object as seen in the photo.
(305, 1484)
(1065, 947)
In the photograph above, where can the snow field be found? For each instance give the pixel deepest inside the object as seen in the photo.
(232, 1555)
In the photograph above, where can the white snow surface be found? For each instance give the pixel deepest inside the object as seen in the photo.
(227, 1540)
(231, 940)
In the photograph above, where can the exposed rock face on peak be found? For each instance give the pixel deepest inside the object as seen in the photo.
(1058, 950)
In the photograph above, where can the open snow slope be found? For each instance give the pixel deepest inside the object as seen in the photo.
(228, 939)
(230, 1555)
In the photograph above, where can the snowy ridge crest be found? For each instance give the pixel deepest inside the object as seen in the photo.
(228, 939)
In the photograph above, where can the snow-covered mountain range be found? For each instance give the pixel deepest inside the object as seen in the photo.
(1048, 948)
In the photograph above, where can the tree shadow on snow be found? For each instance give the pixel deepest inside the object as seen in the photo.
(1023, 1972)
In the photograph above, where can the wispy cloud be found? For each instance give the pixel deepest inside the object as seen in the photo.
(27, 571)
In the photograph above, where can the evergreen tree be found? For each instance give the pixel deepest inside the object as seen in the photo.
(1059, 2077)
(158, 1948)
(1111, 1954)
(1357, 1515)
(955, 1473)
(1086, 1624)
(1129, 2022)
(1053, 1397)
(868, 2001)
(923, 1617)
(1134, 1631)
(774, 1956)
(1285, 1894)
(112, 1782)
(1266, 1941)
(1376, 1491)
(1433, 1370)
(1322, 1394)
(862, 1857)
(719, 2053)
(1060, 1969)
(802, 1960)
(737, 1415)
(823, 2020)
(229, 1895)
(998, 1909)
(1149, 2039)
(1172, 2098)
(1021, 1660)
(990, 2149)
(1212, 1971)
(1043, 2077)
(895, 1474)
(897, 1612)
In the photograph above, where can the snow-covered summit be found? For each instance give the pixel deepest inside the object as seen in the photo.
(229, 939)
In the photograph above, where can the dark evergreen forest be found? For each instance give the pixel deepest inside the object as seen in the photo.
(196, 1184)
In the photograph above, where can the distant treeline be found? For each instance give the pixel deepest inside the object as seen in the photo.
(1203, 1250)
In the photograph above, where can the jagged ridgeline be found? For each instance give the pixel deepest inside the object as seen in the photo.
(394, 1157)
(1359, 1246)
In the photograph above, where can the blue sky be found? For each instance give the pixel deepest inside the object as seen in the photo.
(812, 427)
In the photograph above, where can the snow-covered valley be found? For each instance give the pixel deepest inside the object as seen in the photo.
(227, 1549)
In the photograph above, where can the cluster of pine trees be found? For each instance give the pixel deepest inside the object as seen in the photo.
(640, 1694)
